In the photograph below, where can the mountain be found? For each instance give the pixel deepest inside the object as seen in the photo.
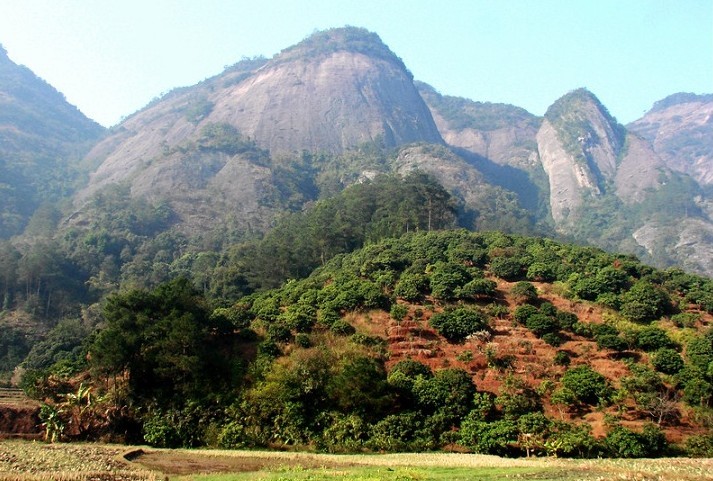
(680, 129)
(214, 148)
(42, 140)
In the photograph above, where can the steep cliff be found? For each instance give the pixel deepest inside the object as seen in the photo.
(680, 128)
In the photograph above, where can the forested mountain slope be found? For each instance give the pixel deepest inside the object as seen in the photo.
(42, 140)
(494, 343)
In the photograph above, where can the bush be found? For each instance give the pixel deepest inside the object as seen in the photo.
(459, 323)
(562, 358)
(508, 268)
(398, 312)
(411, 287)
(610, 341)
(342, 328)
(644, 302)
(303, 340)
(450, 389)
(653, 338)
(566, 320)
(496, 437)
(344, 434)
(588, 385)
(541, 272)
(476, 288)
(446, 279)
(700, 446)
(624, 443)
(524, 291)
(667, 361)
(395, 432)
(685, 319)
(541, 324)
(524, 312)
(553, 339)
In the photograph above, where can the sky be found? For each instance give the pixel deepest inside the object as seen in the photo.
(111, 57)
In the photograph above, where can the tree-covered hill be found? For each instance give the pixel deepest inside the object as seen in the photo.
(495, 343)
(42, 141)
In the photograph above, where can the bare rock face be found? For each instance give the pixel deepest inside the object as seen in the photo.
(569, 180)
(686, 242)
(640, 172)
(336, 90)
(502, 133)
(680, 128)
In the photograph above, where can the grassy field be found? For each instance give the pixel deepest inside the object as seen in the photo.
(35, 461)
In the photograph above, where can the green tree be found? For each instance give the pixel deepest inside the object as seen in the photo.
(164, 342)
(459, 323)
(589, 386)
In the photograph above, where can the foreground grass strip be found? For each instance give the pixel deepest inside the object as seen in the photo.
(382, 474)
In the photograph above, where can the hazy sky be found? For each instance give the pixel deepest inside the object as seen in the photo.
(111, 57)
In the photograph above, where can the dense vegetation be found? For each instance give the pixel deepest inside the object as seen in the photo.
(350, 314)
(296, 366)
(42, 139)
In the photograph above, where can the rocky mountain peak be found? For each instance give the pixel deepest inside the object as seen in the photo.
(678, 99)
(336, 90)
(680, 129)
(345, 39)
(580, 146)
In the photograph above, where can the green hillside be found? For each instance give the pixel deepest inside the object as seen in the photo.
(494, 343)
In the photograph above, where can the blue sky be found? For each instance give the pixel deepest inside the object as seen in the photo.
(111, 57)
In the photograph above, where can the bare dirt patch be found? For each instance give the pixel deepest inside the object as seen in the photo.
(180, 462)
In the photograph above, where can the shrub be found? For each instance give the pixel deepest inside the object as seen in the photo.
(303, 340)
(541, 272)
(496, 437)
(344, 434)
(342, 328)
(395, 432)
(451, 389)
(624, 443)
(508, 268)
(644, 302)
(610, 341)
(398, 312)
(700, 446)
(570, 440)
(685, 319)
(553, 339)
(588, 385)
(476, 288)
(653, 338)
(524, 291)
(411, 287)
(667, 361)
(524, 312)
(278, 333)
(459, 323)
(541, 324)
(446, 279)
(562, 358)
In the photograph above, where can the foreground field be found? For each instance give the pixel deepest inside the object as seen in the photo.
(32, 461)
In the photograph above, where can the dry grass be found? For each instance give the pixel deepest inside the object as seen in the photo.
(35, 461)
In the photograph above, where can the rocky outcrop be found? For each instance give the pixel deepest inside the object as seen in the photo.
(680, 129)
(334, 91)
